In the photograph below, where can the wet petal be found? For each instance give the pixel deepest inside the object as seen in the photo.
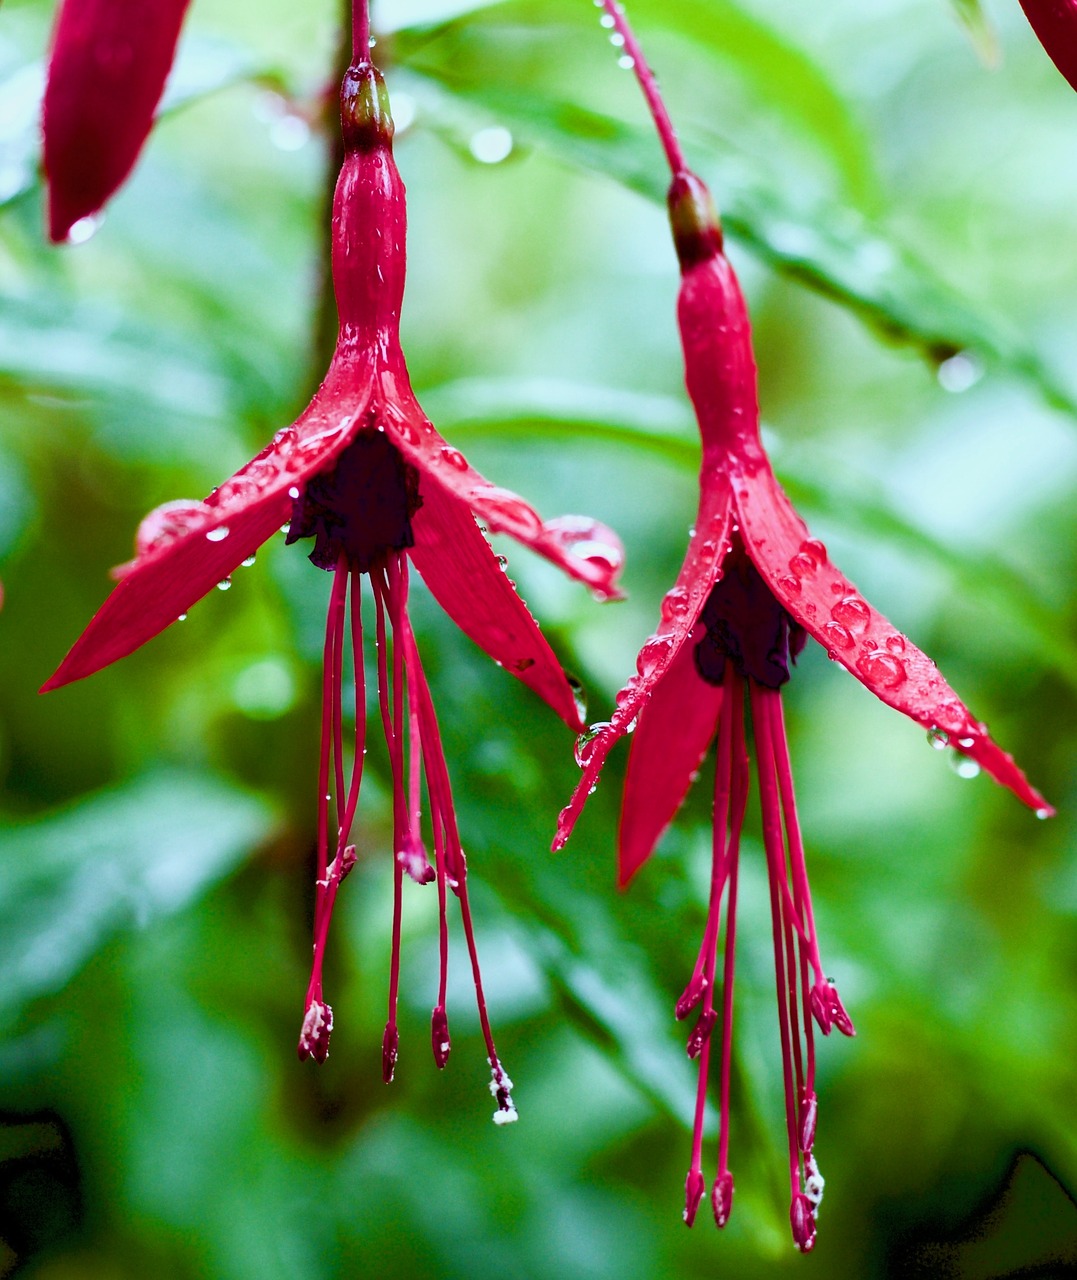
(670, 740)
(806, 583)
(464, 575)
(593, 555)
(680, 612)
(216, 536)
(110, 60)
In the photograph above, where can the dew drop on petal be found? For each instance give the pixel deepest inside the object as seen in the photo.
(1043, 813)
(801, 565)
(453, 458)
(85, 228)
(217, 535)
(895, 643)
(182, 618)
(882, 668)
(293, 492)
(587, 742)
(838, 635)
(790, 584)
(938, 738)
(224, 584)
(814, 550)
(675, 603)
(249, 561)
(654, 652)
(170, 521)
(852, 612)
(626, 62)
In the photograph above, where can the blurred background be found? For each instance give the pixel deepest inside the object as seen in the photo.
(898, 185)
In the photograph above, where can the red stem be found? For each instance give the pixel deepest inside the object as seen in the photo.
(647, 82)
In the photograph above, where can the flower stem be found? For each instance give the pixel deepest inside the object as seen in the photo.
(649, 84)
(360, 31)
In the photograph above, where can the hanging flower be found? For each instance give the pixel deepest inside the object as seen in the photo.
(107, 70)
(754, 585)
(1055, 24)
(365, 474)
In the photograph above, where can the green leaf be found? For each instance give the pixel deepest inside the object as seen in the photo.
(829, 247)
(114, 861)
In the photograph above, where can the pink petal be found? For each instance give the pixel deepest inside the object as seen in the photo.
(829, 607)
(110, 60)
(1055, 23)
(681, 608)
(586, 549)
(670, 740)
(167, 578)
(460, 568)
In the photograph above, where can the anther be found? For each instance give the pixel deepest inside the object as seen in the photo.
(694, 1186)
(439, 1036)
(722, 1197)
(315, 1032)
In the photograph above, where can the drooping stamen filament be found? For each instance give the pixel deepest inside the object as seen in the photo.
(414, 749)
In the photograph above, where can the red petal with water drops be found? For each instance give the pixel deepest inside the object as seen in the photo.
(670, 740)
(464, 575)
(681, 608)
(811, 588)
(593, 555)
(110, 60)
(196, 545)
(1055, 23)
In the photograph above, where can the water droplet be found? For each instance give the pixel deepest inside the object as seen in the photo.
(589, 540)
(217, 535)
(675, 603)
(182, 618)
(164, 524)
(453, 458)
(491, 145)
(405, 431)
(587, 742)
(882, 668)
(938, 738)
(503, 562)
(708, 550)
(838, 635)
(285, 438)
(628, 693)
(286, 528)
(960, 372)
(617, 40)
(837, 588)
(606, 20)
(506, 512)
(289, 132)
(293, 492)
(1043, 813)
(802, 565)
(895, 643)
(626, 62)
(248, 561)
(578, 696)
(85, 228)
(654, 652)
(224, 584)
(965, 743)
(963, 765)
(790, 584)
(852, 612)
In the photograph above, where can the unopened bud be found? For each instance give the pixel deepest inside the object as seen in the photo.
(828, 1010)
(315, 1032)
(722, 1197)
(390, 1044)
(694, 1186)
(439, 1036)
(701, 1032)
(802, 1220)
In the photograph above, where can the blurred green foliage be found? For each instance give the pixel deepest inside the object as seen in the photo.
(156, 822)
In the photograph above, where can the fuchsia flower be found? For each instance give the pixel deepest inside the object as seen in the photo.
(753, 586)
(107, 71)
(364, 472)
(1055, 24)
